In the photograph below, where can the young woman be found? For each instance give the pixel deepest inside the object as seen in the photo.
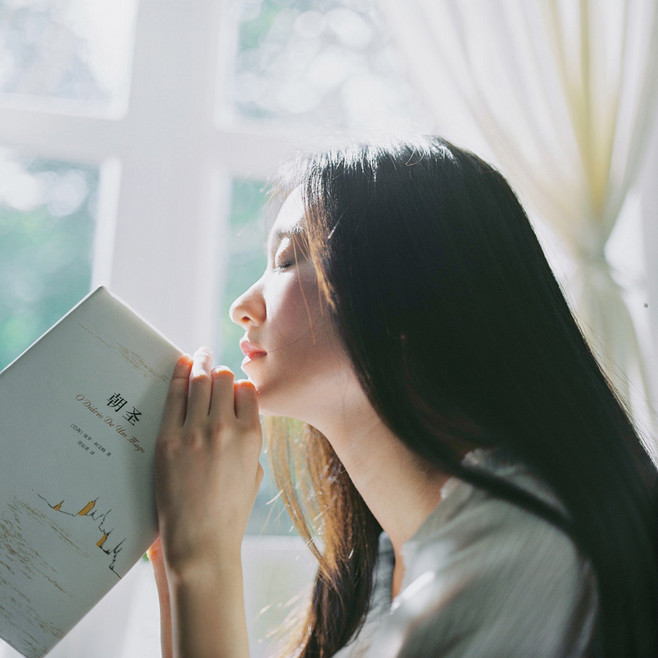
(463, 471)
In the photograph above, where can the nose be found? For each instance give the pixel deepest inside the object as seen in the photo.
(249, 308)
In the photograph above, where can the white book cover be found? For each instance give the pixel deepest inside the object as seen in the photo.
(79, 414)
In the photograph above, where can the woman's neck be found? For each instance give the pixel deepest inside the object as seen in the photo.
(399, 488)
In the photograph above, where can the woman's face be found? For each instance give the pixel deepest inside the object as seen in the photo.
(292, 352)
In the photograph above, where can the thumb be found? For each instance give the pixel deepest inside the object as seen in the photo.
(156, 558)
(154, 553)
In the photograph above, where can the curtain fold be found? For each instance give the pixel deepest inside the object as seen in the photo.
(564, 94)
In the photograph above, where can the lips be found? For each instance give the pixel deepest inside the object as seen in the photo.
(250, 350)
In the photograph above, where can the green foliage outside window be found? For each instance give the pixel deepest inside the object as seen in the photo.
(46, 244)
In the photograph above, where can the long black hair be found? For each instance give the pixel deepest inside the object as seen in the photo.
(461, 337)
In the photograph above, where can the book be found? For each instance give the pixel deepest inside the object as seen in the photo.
(80, 411)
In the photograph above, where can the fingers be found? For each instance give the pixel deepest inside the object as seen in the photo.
(221, 404)
(176, 406)
(198, 392)
(246, 401)
(200, 387)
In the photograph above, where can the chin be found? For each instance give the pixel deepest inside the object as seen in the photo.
(271, 405)
(265, 407)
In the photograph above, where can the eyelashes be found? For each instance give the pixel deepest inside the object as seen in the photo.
(289, 254)
(285, 258)
(285, 265)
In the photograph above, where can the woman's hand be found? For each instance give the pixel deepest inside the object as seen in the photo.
(207, 472)
(207, 475)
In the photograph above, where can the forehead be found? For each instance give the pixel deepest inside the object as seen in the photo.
(290, 218)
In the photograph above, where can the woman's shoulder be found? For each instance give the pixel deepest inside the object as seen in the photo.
(465, 508)
(484, 576)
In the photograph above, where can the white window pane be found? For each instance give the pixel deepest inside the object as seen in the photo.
(47, 223)
(70, 50)
(327, 63)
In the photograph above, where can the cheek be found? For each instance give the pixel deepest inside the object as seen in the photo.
(293, 309)
(305, 367)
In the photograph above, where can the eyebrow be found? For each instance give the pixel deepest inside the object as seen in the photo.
(279, 234)
(297, 229)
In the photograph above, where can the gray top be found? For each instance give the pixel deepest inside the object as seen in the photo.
(482, 577)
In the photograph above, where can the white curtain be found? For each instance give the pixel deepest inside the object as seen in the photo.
(564, 94)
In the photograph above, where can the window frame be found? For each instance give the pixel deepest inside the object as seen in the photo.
(166, 165)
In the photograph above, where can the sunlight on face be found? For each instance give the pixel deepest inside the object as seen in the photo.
(292, 352)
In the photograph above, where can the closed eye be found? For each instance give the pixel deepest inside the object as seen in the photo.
(286, 255)
(284, 265)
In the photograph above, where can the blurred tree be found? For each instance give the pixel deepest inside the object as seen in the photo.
(47, 223)
(322, 63)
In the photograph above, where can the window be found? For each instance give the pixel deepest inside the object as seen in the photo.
(325, 63)
(58, 58)
(67, 54)
(48, 211)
